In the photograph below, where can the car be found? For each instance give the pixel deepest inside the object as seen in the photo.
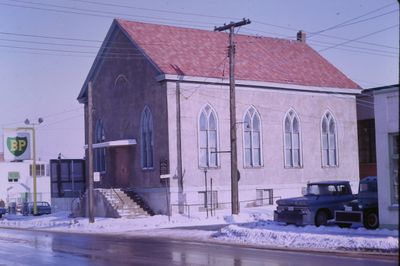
(316, 206)
(2, 211)
(42, 207)
(364, 209)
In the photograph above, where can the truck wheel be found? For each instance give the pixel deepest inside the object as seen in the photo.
(321, 218)
(371, 220)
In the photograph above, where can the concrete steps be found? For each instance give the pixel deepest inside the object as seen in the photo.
(124, 205)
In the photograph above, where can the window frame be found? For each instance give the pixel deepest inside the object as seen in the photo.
(326, 164)
(207, 147)
(146, 143)
(100, 154)
(260, 140)
(292, 114)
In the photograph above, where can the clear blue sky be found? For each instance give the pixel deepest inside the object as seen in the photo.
(42, 76)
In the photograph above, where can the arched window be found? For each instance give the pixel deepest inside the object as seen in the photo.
(146, 130)
(121, 82)
(252, 138)
(208, 138)
(329, 140)
(292, 139)
(99, 153)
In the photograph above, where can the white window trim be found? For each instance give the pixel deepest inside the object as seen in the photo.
(218, 165)
(300, 142)
(142, 161)
(336, 141)
(391, 135)
(251, 166)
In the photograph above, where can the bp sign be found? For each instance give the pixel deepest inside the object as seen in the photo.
(17, 145)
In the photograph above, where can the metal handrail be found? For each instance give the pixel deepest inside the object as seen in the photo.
(119, 197)
(214, 205)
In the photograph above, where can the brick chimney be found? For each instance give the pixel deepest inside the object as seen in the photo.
(301, 36)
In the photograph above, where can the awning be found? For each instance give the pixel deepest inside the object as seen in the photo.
(114, 143)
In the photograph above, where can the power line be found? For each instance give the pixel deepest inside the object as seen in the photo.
(183, 13)
(154, 10)
(97, 13)
(356, 47)
(49, 37)
(358, 38)
(347, 22)
(362, 42)
(46, 116)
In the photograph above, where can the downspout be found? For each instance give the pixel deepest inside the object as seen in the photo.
(181, 199)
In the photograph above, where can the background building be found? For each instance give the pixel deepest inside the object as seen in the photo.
(386, 101)
(67, 182)
(16, 182)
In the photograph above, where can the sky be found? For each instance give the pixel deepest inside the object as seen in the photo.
(48, 46)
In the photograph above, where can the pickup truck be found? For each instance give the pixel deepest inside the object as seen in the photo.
(317, 205)
(364, 209)
(2, 211)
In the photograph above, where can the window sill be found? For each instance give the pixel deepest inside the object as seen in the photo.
(253, 167)
(329, 166)
(293, 167)
(148, 169)
(209, 168)
(393, 207)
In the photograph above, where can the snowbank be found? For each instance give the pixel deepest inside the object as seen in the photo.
(253, 226)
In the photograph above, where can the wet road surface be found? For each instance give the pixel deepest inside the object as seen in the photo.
(21, 247)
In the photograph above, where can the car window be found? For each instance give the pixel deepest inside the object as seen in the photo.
(343, 189)
(368, 187)
(312, 190)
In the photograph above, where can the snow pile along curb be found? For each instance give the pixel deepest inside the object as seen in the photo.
(311, 239)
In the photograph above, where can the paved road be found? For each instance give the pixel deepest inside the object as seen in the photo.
(19, 247)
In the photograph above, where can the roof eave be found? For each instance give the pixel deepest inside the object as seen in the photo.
(82, 97)
(258, 84)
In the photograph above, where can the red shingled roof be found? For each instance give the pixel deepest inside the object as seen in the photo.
(204, 54)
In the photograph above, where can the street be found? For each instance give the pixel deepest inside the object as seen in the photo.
(21, 247)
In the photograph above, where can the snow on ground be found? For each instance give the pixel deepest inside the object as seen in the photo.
(254, 226)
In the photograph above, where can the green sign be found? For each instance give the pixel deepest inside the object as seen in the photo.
(17, 145)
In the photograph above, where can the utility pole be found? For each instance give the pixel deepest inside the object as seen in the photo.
(232, 110)
(90, 152)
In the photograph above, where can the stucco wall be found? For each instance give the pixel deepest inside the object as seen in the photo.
(272, 105)
(386, 122)
(120, 108)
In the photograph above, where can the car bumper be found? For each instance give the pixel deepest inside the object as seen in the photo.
(348, 217)
(296, 216)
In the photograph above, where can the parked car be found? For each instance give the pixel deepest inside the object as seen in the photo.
(316, 206)
(2, 211)
(364, 209)
(42, 207)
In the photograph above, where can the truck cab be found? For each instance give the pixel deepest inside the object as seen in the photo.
(364, 209)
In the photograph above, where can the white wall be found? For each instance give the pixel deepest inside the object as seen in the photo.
(272, 105)
(11, 191)
(386, 121)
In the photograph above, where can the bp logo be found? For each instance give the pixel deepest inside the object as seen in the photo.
(17, 145)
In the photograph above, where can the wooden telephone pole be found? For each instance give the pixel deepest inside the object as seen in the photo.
(232, 110)
(90, 152)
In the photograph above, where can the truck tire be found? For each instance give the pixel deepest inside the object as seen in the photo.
(321, 218)
(371, 220)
